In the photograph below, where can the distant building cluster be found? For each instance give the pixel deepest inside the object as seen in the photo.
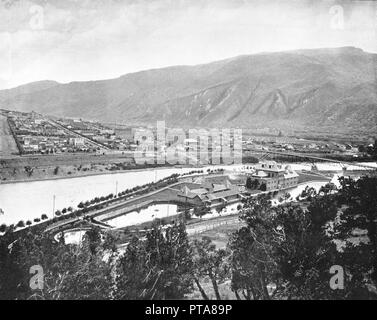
(285, 144)
(96, 132)
(36, 134)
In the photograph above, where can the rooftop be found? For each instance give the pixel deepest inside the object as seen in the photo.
(211, 191)
(270, 166)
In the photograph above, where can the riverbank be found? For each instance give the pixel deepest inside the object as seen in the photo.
(59, 172)
(89, 174)
(27, 200)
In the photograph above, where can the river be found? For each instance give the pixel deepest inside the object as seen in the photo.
(29, 200)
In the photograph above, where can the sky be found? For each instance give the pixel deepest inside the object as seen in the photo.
(77, 40)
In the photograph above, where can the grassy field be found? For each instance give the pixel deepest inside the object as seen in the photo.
(307, 177)
(69, 165)
(7, 144)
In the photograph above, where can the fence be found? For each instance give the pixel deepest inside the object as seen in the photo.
(192, 230)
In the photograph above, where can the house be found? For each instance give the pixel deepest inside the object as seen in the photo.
(289, 147)
(275, 176)
(77, 141)
(212, 194)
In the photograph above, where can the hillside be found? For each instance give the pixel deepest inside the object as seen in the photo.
(303, 88)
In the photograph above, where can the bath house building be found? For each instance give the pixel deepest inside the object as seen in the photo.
(275, 176)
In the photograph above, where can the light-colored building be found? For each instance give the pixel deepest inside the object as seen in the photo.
(275, 176)
(213, 194)
(77, 141)
(107, 131)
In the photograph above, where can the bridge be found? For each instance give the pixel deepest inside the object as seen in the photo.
(311, 158)
(198, 160)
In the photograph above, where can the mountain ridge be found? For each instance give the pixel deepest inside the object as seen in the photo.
(317, 87)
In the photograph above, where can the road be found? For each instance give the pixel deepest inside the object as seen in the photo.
(92, 142)
(8, 146)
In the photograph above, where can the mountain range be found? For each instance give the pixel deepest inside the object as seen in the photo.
(311, 88)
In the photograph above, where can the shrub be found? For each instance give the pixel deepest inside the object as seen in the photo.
(20, 224)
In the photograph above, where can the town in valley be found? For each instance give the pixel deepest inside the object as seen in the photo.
(201, 150)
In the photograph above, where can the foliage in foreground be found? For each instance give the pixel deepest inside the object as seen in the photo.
(281, 252)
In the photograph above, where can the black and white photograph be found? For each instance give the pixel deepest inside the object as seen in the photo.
(195, 153)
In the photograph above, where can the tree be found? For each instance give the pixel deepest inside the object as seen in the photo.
(287, 196)
(328, 189)
(357, 229)
(251, 251)
(169, 254)
(361, 148)
(303, 251)
(209, 262)
(158, 268)
(220, 208)
(81, 274)
(372, 150)
(280, 252)
(44, 217)
(70, 271)
(248, 183)
(11, 274)
(201, 210)
(308, 193)
(255, 184)
(94, 238)
(20, 224)
(294, 248)
(132, 272)
(284, 251)
(29, 170)
(252, 184)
